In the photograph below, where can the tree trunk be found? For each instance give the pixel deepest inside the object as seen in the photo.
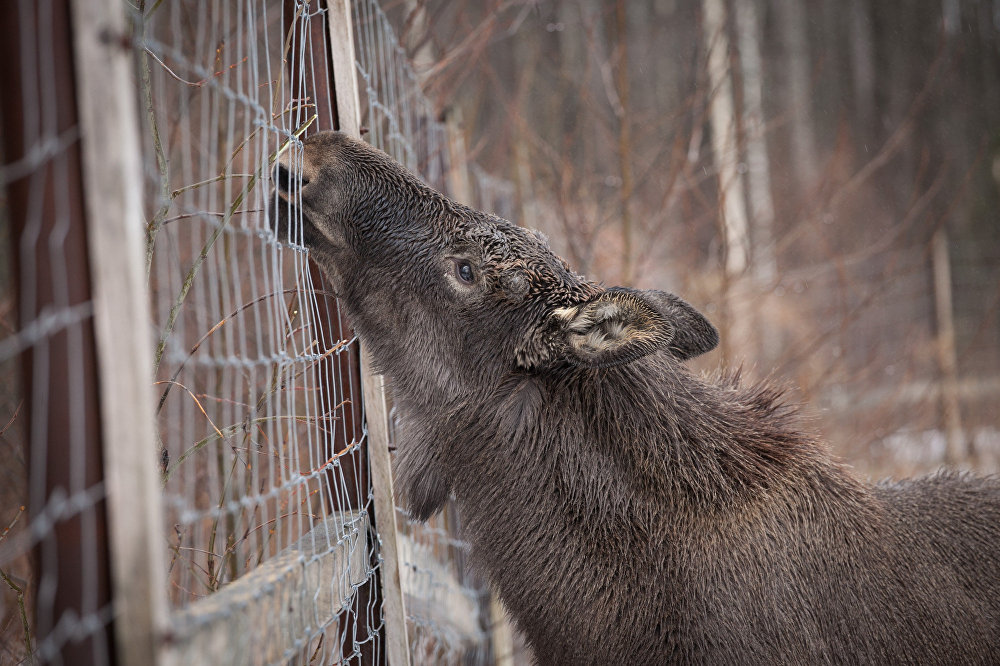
(624, 141)
(794, 30)
(956, 451)
(863, 70)
(758, 165)
(732, 204)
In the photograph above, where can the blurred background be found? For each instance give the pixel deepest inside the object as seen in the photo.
(821, 178)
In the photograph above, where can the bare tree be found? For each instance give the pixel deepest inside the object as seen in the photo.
(795, 37)
(736, 329)
(758, 172)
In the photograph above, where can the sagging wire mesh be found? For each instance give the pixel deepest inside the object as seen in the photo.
(448, 607)
(263, 458)
(55, 603)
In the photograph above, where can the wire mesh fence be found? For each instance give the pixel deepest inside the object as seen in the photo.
(273, 555)
(263, 454)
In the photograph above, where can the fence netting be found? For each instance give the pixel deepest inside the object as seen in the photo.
(263, 454)
(272, 547)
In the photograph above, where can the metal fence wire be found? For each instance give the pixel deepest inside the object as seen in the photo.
(263, 452)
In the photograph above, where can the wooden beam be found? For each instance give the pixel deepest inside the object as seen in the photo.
(377, 423)
(265, 615)
(345, 85)
(345, 72)
(112, 175)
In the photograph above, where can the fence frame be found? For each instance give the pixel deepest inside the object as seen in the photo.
(188, 630)
(348, 112)
(112, 159)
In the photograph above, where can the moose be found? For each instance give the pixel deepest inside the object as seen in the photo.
(626, 509)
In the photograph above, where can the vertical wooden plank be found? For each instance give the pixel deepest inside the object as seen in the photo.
(341, 32)
(112, 171)
(345, 74)
(377, 423)
(501, 635)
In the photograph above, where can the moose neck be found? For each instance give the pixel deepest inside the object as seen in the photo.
(653, 429)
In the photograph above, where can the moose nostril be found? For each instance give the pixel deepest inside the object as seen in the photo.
(282, 178)
(286, 181)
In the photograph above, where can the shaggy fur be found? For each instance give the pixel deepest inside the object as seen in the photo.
(625, 509)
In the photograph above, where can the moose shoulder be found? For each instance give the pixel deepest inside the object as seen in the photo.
(625, 509)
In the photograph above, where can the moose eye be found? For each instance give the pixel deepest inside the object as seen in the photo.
(463, 271)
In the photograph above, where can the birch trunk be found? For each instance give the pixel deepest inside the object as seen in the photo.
(863, 67)
(956, 451)
(732, 203)
(758, 165)
(794, 30)
(624, 141)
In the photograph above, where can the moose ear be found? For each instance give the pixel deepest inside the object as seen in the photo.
(693, 334)
(622, 325)
(616, 327)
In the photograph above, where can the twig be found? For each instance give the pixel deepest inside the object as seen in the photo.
(19, 591)
(153, 228)
(196, 401)
(10, 526)
(10, 422)
(222, 322)
(193, 84)
(196, 266)
(216, 179)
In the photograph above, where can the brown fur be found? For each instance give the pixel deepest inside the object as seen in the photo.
(625, 509)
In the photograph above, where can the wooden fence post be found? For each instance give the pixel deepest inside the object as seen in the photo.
(341, 31)
(112, 172)
(59, 381)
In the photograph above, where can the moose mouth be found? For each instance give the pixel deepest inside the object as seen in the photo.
(286, 184)
(292, 226)
(284, 207)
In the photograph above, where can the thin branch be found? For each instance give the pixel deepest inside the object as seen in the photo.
(196, 266)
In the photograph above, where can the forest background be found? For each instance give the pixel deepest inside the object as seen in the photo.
(822, 178)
